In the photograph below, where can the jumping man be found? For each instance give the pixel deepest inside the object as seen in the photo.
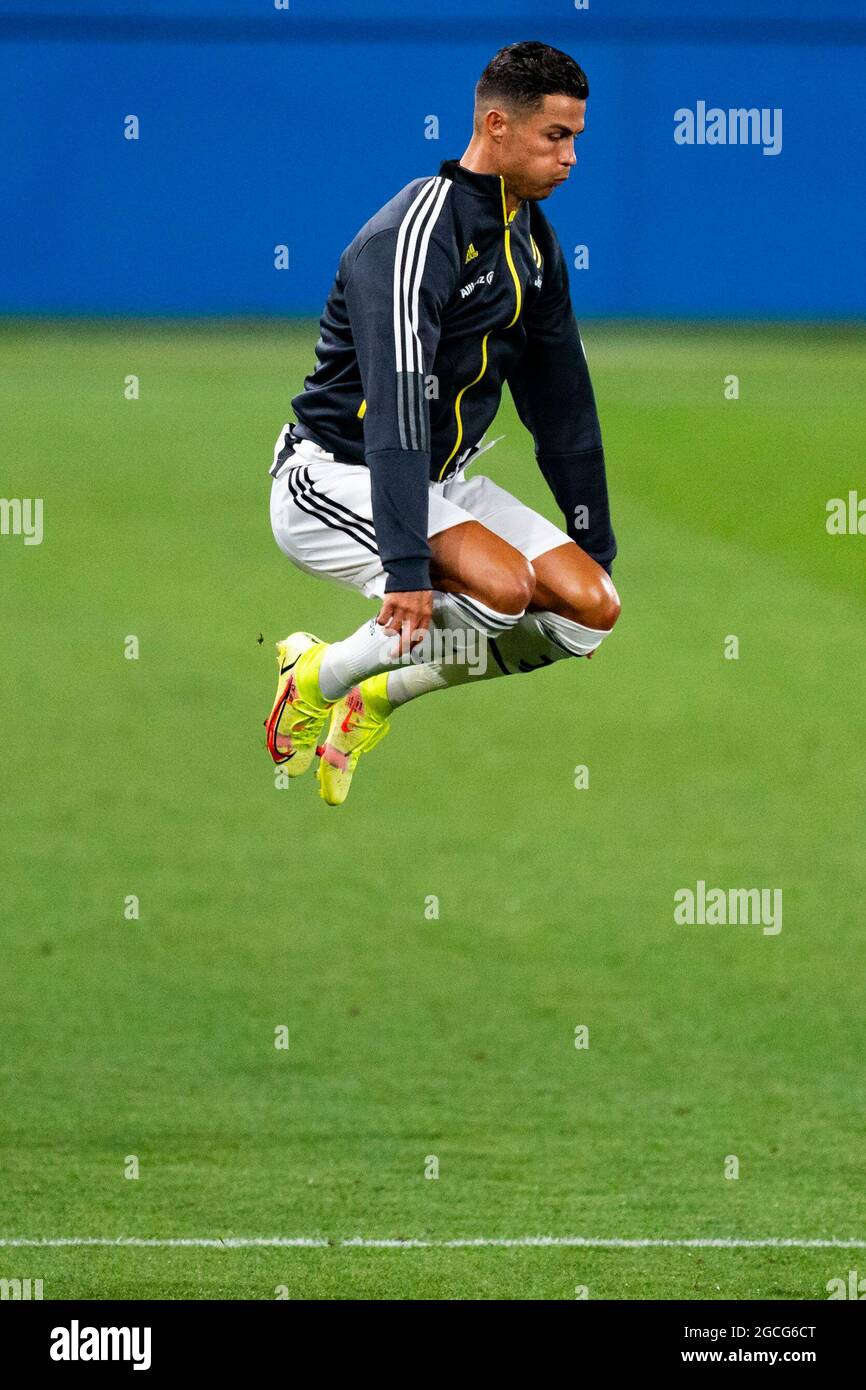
(454, 287)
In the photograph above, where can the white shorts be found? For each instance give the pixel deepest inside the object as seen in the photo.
(322, 516)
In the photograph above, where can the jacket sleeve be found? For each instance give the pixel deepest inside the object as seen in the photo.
(395, 293)
(554, 399)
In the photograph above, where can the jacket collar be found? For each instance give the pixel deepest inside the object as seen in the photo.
(484, 185)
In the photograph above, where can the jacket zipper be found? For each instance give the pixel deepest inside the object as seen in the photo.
(507, 219)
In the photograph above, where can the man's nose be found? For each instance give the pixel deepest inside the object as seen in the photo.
(570, 156)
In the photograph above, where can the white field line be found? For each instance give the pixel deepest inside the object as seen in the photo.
(362, 1242)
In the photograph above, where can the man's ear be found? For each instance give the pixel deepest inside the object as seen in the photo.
(496, 124)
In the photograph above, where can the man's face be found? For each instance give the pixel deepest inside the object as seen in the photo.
(537, 150)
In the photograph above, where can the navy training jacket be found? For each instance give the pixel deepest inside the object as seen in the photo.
(440, 298)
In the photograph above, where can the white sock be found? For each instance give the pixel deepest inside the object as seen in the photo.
(459, 612)
(571, 638)
(372, 649)
(528, 645)
(470, 625)
(408, 682)
(365, 653)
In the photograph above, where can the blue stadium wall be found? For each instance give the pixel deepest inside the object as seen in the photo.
(262, 126)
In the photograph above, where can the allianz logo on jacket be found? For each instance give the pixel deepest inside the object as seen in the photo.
(466, 290)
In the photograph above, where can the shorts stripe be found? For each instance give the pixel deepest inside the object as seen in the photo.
(328, 521)
(312, 505)
(352, 518)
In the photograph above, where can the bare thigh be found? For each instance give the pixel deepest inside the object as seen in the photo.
(470, 559)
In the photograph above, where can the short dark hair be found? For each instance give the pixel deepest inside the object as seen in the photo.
(523, 74)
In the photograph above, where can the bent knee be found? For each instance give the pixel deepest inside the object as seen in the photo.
(509, 588)
(606, 606)
(597, 604)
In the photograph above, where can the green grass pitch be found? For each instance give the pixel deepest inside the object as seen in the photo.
(261, 907)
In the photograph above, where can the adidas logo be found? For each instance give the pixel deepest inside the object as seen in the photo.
(470, 254)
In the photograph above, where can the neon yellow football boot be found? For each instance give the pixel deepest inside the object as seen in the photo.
(358, 722)
(300, 711)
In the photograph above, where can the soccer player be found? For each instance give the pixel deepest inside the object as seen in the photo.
(455, 286)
